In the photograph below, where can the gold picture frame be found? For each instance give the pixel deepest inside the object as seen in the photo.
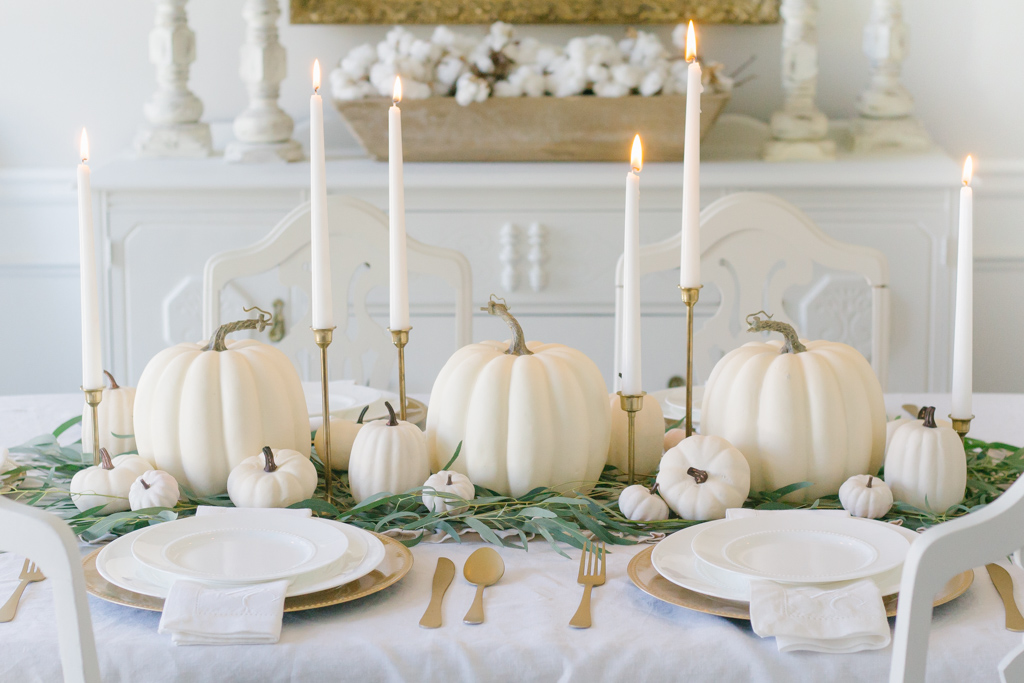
(534, 11)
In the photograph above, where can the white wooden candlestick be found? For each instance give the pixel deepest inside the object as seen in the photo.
(263, 130)
(173, 112)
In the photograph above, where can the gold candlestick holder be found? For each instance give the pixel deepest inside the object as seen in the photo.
(632, 404)
(400, 339)
(961, 425)
(93, 398)
(690, 296)
(323, 338)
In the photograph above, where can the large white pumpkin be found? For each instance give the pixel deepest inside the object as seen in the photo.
(926, 465)
(528, 415)
(201, 409)
(114, 417)
(798, 410)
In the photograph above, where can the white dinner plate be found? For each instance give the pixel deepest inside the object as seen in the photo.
(243, 547)
(673, 558)
(801, 548)
(673, 402)
(347, 398)
(117, 565)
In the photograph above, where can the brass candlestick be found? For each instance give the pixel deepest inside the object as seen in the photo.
(93, 398)
(323, 338)
(400, 339)
(961, 425)
(690, 296)
(632, 404)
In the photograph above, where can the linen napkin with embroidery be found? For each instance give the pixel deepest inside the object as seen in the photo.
(200, 614)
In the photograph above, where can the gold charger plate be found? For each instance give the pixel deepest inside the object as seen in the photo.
(646, 578)
(396, 564)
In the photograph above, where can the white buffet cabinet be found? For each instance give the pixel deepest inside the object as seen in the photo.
(544, 236)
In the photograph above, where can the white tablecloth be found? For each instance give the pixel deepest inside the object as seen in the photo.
(525, 636)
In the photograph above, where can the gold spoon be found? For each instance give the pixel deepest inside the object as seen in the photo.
(483, 568)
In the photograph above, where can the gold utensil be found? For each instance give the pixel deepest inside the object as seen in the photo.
(443, 576)
(912, 409)
(483, 568)
(592, 573)
(29, 574)
(1004, 584)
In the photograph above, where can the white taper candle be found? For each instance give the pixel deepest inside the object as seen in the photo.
(399, 276)
(689, 263)
(323, 304)
(632, 380)
(92, 363)
(963, 326)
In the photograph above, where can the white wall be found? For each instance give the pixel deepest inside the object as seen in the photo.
(68, 63)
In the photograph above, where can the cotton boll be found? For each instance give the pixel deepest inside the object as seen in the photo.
(648, 50)
(343, 87)
(652, 83)
(547, 55)
(524, 51)
(471, 88)
(357, 62)
(577, 52)
(533, 84)
(443, 36)
(415, 90)
(449, 69)
(500, 35)
(484, 63)
(508, 89)
(598, 73)
(679, 37)
(382, 76)
(386, 53)
(425, 52)
(627, 75)
(566, 83)
(610, 88)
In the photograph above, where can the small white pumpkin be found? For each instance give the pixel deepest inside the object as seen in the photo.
(865, 495)
(114, 417)
(343, 435)
(672, 438)
(926, 465)
(154, 489)
(447, 481)
(650, 436)
(387, 456)
(642, 504)
(273, 479)
(892, 425)
(109, 482)
(704, 476)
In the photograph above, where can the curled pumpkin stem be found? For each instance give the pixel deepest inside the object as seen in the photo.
(699, 476)
(793, 343)
(113, 382)
(268, 458)
(105, 461)
(393, 419)
(498, 307)
(259, 324)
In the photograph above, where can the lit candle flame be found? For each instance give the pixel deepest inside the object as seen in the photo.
(691, 43)
(397, 97)
(84, 147)
(968, 170)
(316, 75)
(636, 159)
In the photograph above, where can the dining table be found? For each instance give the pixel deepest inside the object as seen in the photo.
(525, 635)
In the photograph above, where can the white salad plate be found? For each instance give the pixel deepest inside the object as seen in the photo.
(116, 564)
(244, 547)
(801, 548)
(347, 398)
(673, 402)
(674, 559)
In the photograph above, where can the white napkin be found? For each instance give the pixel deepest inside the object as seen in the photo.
(199, 614)
(742, 513)
(848, 619)
(207, 510)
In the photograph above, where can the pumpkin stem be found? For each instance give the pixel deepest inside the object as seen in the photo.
(393, 421)
(105, 461)
(268, 457)
(113, 382)
(449, 479)
(928, 413)
(655, 489)
(259, 324)
(499, 308)
(699, 476)
(362, 414)
(142, 478)
(870, 479)
(793, 343)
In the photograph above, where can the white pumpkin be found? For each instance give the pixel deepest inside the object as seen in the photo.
(799, 411)
(276, 478)
(892, 425)
(154, 489)
(642, 504)
(6, 464)
(926, 465)
(865, 495)
(672, 438)
(115, 417)
(650, 437)
(528, 415)
(702, 477)
(200, 409)
(108, 483)
(447, 481)
(387, 456)
(343, 434)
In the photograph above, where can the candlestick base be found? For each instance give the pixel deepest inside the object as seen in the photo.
(400, 338)
(632, 404)
(92, 399)
(690, 296)
(961, 425)
(323, 338)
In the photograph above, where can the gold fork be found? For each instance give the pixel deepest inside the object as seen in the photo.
(592, 564)
(29, 574)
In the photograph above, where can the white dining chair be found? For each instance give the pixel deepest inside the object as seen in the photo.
(941, 553)
(754, 247)
(49, 542)
(359, 263)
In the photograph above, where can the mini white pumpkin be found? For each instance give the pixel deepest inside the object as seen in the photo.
(926, 465)
(273, 479)
(672, 438)
(865, 495)
(343, 435)
(642, 504)
(115, 416)
(447, 481)
(109, 482)
(650, 437)
(387, 456)
(892, 425)
(154, 489)
(704, 476)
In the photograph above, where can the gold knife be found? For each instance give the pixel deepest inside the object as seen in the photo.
(443, 576)
(1004, 584)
